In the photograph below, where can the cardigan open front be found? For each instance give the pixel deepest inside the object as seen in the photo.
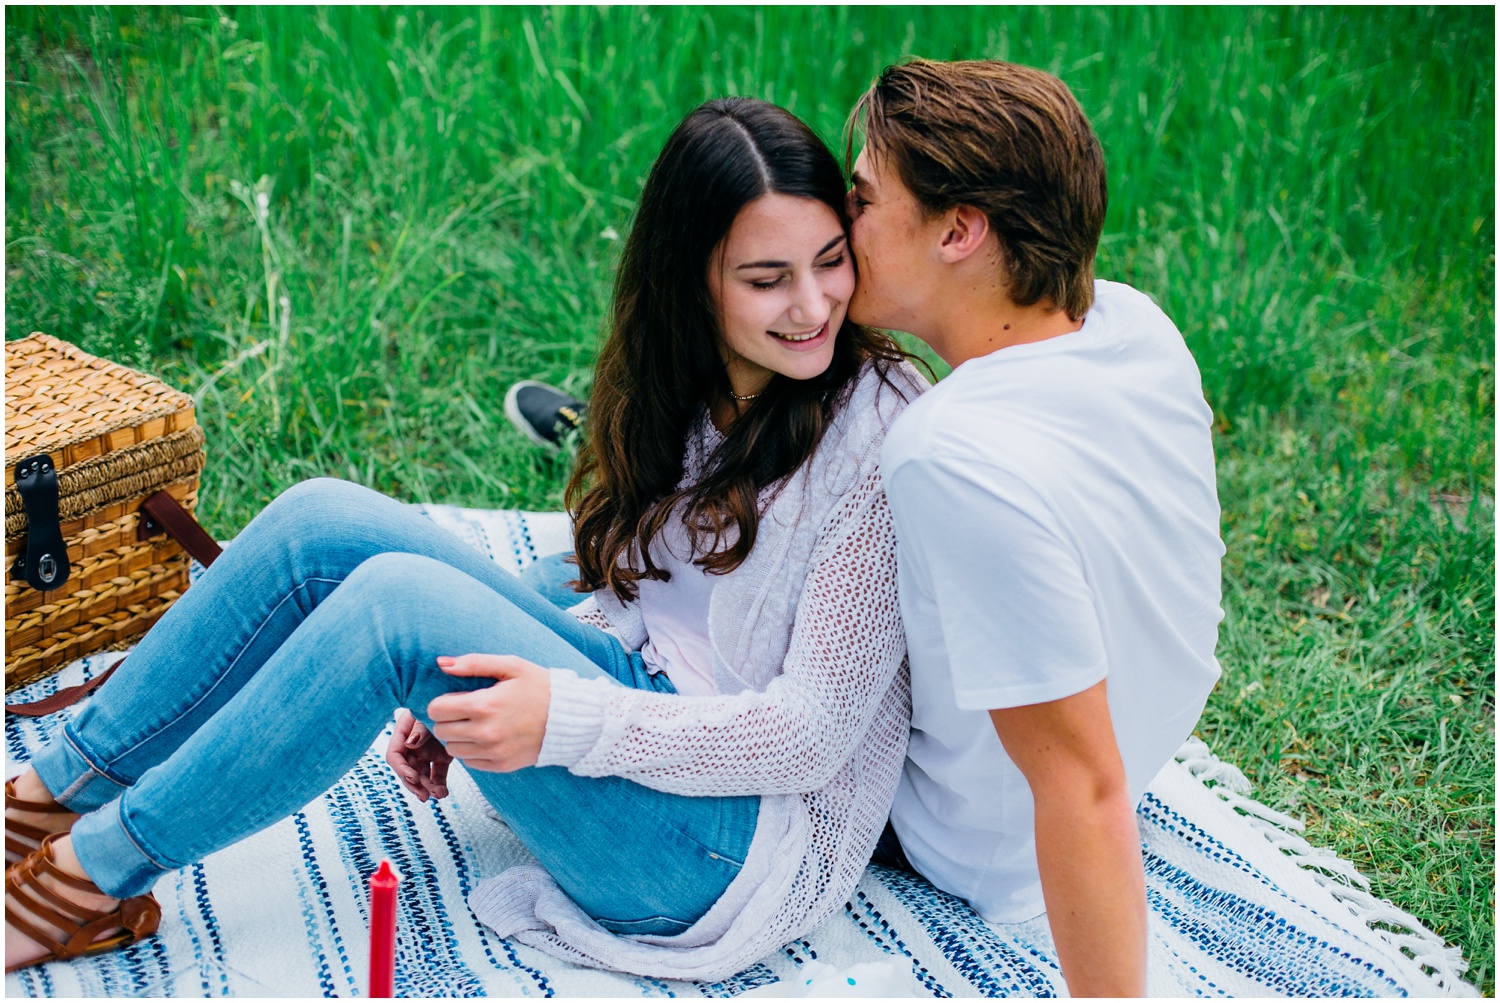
(812, 713)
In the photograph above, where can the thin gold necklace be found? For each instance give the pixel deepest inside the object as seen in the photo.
(747, 397)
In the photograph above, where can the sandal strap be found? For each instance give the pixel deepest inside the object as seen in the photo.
(21, 804)
(88, 934)
(21, 838)
(18, 922)
(22, 882)
(42, 859)
(25, 830)
(24, 889)
(82, 930)
(137, 917)
(14, 842)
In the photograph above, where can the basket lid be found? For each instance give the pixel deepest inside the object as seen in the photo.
(74, 406)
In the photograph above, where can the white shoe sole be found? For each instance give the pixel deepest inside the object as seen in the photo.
(513, 412)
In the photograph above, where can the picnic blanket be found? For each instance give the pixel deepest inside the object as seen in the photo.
(1240, 904)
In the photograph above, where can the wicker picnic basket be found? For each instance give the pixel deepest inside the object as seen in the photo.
(101, 477)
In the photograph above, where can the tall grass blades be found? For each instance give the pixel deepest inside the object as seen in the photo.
(345, 230)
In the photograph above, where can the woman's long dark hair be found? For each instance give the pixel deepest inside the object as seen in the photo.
(661, 361)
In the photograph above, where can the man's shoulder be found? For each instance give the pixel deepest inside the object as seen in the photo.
(949, 427)
(1109, 291)
(1123, 311)
(1011, 407)
(1124, 292)
(916, 432)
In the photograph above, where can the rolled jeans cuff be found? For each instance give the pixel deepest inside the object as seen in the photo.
(111, 855)
(75, 782)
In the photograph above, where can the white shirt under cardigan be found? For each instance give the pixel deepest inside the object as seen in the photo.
(674, 614)
(812, 711)
(1058, 525)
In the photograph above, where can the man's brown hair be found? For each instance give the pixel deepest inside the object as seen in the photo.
(1010, 141)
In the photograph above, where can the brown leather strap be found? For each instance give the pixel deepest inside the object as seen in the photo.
(62, 698)
(165, 511)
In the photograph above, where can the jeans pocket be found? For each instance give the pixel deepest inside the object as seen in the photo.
(659, 926)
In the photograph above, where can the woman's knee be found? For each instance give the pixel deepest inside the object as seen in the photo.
(551, 578)
(307, 499)
(408, 595)
(325, 512)
(383, 578)
(409, 609)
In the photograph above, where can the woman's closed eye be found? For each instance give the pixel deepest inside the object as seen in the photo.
(837, 261)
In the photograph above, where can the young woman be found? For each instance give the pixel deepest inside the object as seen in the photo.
(701, 755)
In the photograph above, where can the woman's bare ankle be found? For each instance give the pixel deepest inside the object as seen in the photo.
(29, 787)
(25, 829)
(66, 860)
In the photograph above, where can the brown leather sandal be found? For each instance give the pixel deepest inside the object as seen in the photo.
(86, 930)
(22, 838)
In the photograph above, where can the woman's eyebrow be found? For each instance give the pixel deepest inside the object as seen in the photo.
(787, 264)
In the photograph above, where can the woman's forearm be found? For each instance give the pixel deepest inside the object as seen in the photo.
(842, 663)
(786, 740)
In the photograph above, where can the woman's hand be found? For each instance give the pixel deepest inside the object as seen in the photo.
(418, 758)
(499, 728)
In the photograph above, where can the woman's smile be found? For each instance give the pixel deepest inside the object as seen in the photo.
(802, 340)
(783, 270)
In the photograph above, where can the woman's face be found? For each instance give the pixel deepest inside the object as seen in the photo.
(781, 280)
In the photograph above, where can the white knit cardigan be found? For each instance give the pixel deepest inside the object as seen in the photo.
(812, 713)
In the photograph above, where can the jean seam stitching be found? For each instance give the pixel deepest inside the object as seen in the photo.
(713, 852)
(91, 771)
(302, 585)
(136, 842)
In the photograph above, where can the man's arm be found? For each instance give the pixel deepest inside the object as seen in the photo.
(1087, 844)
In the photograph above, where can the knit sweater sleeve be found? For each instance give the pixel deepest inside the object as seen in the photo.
(845, 651)
(588, 612)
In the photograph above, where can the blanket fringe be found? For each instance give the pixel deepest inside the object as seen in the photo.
(1441, 963)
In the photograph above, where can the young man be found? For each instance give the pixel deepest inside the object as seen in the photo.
(1055, 505)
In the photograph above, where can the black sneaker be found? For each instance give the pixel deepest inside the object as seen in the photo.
(544, 414)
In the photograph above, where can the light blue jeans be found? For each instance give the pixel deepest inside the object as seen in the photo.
(271, 676)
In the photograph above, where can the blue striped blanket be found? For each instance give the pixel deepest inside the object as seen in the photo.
(1240, 904)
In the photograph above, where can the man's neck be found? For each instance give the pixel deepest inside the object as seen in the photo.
(968, 333)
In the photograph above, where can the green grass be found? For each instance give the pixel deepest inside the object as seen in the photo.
(1309, 193)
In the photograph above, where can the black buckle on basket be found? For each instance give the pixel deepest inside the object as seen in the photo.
(44, 565)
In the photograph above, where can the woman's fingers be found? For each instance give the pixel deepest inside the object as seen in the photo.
(491, 666)
(411, 780)
(417, 758)
(406, 772)
(435, 781)
(395, 752)
(499, 727)
(496, 757)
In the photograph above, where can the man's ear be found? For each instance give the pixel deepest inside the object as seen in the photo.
(964, 232)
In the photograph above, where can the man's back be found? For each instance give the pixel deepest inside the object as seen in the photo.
(1058, 519)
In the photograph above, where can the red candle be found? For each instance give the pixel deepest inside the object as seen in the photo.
(383, 932)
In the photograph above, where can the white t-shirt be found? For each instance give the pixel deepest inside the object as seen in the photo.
(1058, 523)
(676, 615)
